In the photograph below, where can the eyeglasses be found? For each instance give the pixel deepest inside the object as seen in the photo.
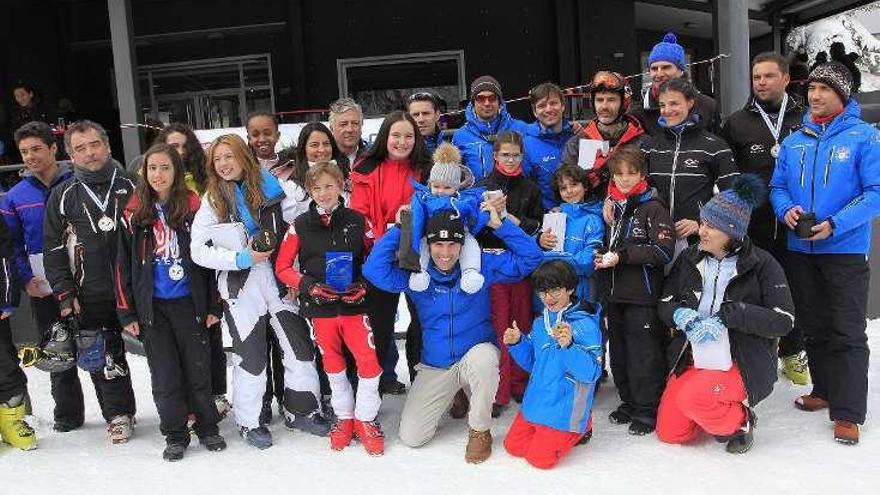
(510, 157)
(486, 99)
(556, 292)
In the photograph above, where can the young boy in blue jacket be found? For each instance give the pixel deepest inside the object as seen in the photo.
(563, 354)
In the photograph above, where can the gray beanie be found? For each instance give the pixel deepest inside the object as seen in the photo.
(447, 166)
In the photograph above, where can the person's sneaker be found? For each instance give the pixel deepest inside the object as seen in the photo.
(619, 416)
(213, 443)
(260, 437)
(460, 405)
(223, 406)
(796, 368)
(120, 428)
(497, 409)
(640, 429)
(64, 425)
(846, 432)
(810, 403)
(174, 452)
(14, 430)
(371, 436)
(479, 446)
(341, 433)
(392, 388)
(314, 423)
(741, 440)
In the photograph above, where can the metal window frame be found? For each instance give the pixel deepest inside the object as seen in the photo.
(344, 64)
(150, 71)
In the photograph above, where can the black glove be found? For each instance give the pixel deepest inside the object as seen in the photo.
(322, 293)
(355, 294)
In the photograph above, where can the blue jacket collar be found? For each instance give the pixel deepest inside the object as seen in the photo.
(851, 116)
(486, 127)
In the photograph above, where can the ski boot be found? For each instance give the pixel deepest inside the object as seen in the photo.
(14, 430)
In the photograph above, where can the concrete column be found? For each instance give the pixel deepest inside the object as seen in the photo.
(125, 69)
(733, 37)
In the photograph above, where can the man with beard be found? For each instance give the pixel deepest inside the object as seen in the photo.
(79, 240)
(610, 97)
(754, 133)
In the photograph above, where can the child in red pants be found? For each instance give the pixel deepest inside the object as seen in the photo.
(332, 295)
(563, 354)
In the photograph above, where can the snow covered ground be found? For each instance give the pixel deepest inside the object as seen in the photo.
(793, 453)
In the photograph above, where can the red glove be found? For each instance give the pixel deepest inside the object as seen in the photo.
(355, 293)
(323, 293)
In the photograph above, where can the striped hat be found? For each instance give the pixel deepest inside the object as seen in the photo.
(729, 211)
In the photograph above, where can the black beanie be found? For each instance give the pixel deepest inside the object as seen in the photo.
(445, 226)
(835, 75)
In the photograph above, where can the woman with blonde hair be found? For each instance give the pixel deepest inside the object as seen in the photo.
(244, 211)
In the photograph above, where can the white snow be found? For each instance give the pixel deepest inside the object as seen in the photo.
(793, 453)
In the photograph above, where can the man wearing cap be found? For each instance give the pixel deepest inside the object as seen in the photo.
(459, 349)
(485, 116)
(826, 188)
(666, 62)
(754, 134)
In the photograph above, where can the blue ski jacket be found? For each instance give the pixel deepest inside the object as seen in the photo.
(584, 234)
(23, 209)
(562, 380)
(543, 154)
(832, 170)
(452, 320)
(474, 138)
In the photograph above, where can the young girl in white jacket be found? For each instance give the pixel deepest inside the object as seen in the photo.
(244, 212)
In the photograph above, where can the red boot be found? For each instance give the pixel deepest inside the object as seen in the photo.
(370, 434)
(341, 433)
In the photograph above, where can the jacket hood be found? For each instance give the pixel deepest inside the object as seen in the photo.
(581, 209)
(482, 126)
(850, 117)
(548, 134)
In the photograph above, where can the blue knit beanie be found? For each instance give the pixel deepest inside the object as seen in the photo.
(668, 50)
(729, 211)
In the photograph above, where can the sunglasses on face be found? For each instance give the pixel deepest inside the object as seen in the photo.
(486, 99)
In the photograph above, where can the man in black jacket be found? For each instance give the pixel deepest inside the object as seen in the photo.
(79, 239)
(754, 133)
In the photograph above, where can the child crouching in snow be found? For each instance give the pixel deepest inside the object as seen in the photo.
(331, 243)
(563, 354)
(445, 193)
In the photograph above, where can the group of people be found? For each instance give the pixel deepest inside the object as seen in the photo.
(523, 251)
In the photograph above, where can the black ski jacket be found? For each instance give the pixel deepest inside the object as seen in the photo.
(750, 140)
(757, 310)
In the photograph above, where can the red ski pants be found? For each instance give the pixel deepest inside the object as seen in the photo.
(542, 446)
(353, 331)
(510, 302)
(701, 399)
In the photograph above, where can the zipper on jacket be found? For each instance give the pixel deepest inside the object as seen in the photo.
(672, 176)
(803, 166)
(715, 287)
(451, 312)
(813, 181)
(828, 165)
